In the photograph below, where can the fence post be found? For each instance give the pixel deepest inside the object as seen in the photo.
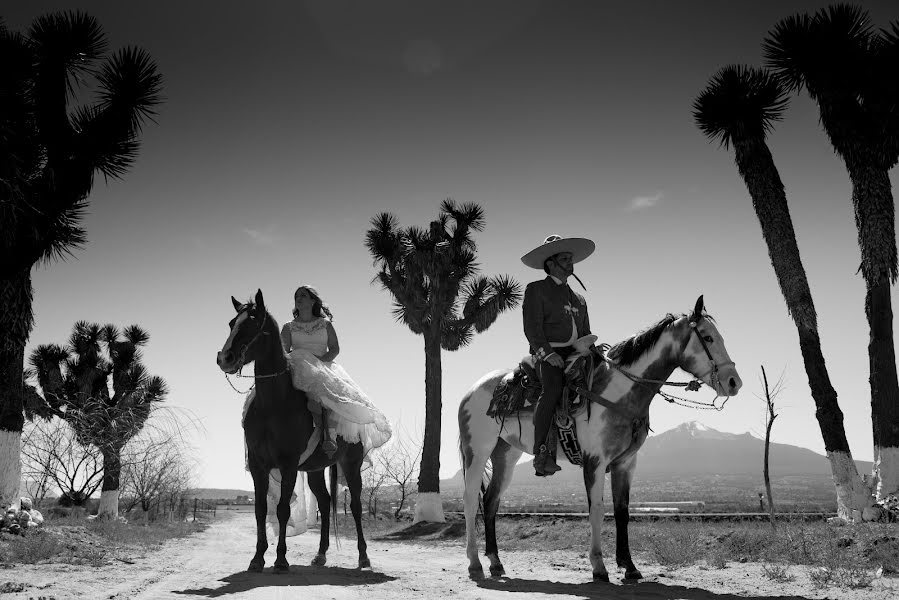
(195, 509)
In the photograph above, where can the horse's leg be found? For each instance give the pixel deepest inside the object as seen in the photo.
(352, 470)
(316, 481)
(622, 474)
(594, 481)
(288, 481)
(478, 435)
(504, 457)
(260, 488)
(474, 473)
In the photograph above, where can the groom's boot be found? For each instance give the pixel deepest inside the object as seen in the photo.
(544, 462)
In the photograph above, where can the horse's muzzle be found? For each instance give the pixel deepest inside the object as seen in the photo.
(227, 362)
(730, 383)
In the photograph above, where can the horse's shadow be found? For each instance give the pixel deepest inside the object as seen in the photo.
(298, 576)
(645, 590)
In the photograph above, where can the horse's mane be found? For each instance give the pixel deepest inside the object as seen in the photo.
(630, 350)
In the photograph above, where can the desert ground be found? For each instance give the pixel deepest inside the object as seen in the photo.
(212, 564)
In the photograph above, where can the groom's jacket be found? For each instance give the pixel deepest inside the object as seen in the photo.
(554, 316)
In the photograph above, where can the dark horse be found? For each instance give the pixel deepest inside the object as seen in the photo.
(278, 427)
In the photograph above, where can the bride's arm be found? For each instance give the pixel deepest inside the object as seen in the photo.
(333, 345)
(285, 338)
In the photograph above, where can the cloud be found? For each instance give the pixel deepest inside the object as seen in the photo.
(263, 238)
(644, 202)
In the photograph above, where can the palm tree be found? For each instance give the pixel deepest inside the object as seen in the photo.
(76, 382)
(49, 153)
(850, 71)
(426, 271)
(739, 108)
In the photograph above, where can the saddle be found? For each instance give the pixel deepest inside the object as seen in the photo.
(518, 391)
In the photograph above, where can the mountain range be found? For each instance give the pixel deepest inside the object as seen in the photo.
(694, 451)
(691, 461)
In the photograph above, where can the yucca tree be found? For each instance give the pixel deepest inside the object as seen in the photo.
(849, 70)
(432, 275)
(75, 382)
(50, 151)
(739, 108)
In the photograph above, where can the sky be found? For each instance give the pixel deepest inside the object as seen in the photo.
(287, 126)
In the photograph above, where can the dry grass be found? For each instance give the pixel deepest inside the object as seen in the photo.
(79, 541)
(843, 557)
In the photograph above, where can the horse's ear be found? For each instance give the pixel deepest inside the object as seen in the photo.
(236, 304)
(697, 310)
(260, 304)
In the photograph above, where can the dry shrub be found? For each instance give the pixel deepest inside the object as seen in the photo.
(676, 544)
(777, 572)
(34, 547)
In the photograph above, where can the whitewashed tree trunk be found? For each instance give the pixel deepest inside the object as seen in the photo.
(853, 496)
(429, 507)
(886, 471)
(10, 467)
(109, 505)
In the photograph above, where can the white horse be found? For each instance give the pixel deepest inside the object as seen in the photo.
(609, 433)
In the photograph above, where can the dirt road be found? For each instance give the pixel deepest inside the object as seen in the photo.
(212, 565)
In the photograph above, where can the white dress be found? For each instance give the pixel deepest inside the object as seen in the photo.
(351, 413)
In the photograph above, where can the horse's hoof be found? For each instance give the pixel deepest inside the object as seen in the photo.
(476, 573)
(497, 571)
(319, 560)
(364, 563)
(255, 567)
(601, 577)
(281, 569)
(633, 575)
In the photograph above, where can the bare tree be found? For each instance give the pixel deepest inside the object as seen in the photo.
(373, 479)
(51, 450)
(770, 415)
(155, 471)
(36, 464)
(400, 461)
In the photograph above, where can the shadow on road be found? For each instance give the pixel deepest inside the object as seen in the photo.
(299, 576)
(647, 590)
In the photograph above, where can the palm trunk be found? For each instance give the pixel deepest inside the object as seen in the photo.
(16, 320)
(757, 168)
(428, 506)
(872, 200)
(112, 474)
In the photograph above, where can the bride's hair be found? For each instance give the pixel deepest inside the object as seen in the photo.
(319, 308)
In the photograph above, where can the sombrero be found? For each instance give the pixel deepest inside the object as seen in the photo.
(580, 249)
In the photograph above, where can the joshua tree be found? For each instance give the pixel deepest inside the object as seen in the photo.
(76, 383)
(850, 72)
(738, 108)
(433, 278)
(49, 154)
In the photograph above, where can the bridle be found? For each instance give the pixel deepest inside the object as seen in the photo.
(241, 357)
(713, 370)
(690, 386)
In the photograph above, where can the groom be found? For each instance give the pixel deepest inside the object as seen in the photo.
(555, 316)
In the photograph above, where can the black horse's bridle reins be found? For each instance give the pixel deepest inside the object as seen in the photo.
(243, 354)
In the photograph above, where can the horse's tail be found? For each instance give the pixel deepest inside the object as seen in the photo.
(485, 478)
(334, 503)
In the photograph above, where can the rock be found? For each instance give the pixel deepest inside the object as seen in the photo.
(872, 513)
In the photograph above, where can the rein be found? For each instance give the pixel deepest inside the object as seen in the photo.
(690, 386)
(242, 357)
